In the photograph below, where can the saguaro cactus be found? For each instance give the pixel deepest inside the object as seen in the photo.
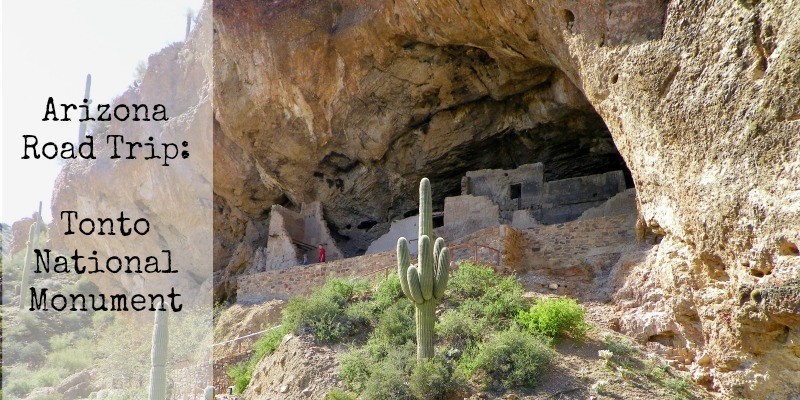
(158, 369)
(425, 282)
(27, 267)
(86, 91)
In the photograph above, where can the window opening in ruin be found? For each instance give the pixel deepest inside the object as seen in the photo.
(516, 191)
(438, 220)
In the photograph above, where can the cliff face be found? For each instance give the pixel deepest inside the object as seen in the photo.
(351, 102)
(175, 200)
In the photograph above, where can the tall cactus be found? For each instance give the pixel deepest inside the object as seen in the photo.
(158, 356)
(425, 282)
(27, 267)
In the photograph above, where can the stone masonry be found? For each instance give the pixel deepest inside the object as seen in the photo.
(293, 234)
(552, 202)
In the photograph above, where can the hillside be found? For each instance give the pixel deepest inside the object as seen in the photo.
(331, 357)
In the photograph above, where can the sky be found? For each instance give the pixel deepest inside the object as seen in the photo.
(48, 47)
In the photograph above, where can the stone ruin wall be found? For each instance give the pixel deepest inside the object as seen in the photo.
(290, 232)
(552, 202)
(579, 252)
(486, 201)
(298, 281)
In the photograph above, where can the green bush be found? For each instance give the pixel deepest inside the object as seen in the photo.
(472, 280)
(387, 293)
(360, 313)
(360, 365)
(48, 377)
(620, 346)
(430, 380)
(32, 353)
(322, 313)
(19, 388)
(512, 357)
(386, 383)
(503, 301)
(268, 342)
(460, 329)
(240, 375)
(355, 368)
(554, 318)
(72, 359)
(396, 325)
(339, 394)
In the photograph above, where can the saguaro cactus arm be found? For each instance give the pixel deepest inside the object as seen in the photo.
(442, 273)
(403, 262)
(414, 286)
(425, 267)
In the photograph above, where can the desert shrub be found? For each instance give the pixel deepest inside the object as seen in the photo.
(339, 394)
(396, 325)
(502, 301)
(387, 293)
(267, 343)
(73, 358)
(430, 380)
(359, 366)
(355, 368)
(512, 357)
(460, 329)
(322, 313)
(19, 388)
(18, 382)
(31, 353)
(472, 280)
(621, 347)
(361, 313)
(554, 318)
(386, 383)
(338, 290)
(48, 377)
(240, 375)
(680, 387)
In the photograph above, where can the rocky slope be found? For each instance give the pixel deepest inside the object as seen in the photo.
(176, 199)
(350, 102)
(299, 369)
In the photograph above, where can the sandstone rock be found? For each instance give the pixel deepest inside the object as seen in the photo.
(239, 320)
(298, 369)
(700, 99)
(19, 235)
(350, 106)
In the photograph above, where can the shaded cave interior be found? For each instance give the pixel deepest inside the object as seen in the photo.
(577, 144)
(485, 116)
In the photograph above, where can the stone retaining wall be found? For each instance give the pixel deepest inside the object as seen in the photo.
(297, 281)
(579, 250)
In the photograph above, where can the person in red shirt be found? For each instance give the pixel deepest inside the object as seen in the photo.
(321, 254)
